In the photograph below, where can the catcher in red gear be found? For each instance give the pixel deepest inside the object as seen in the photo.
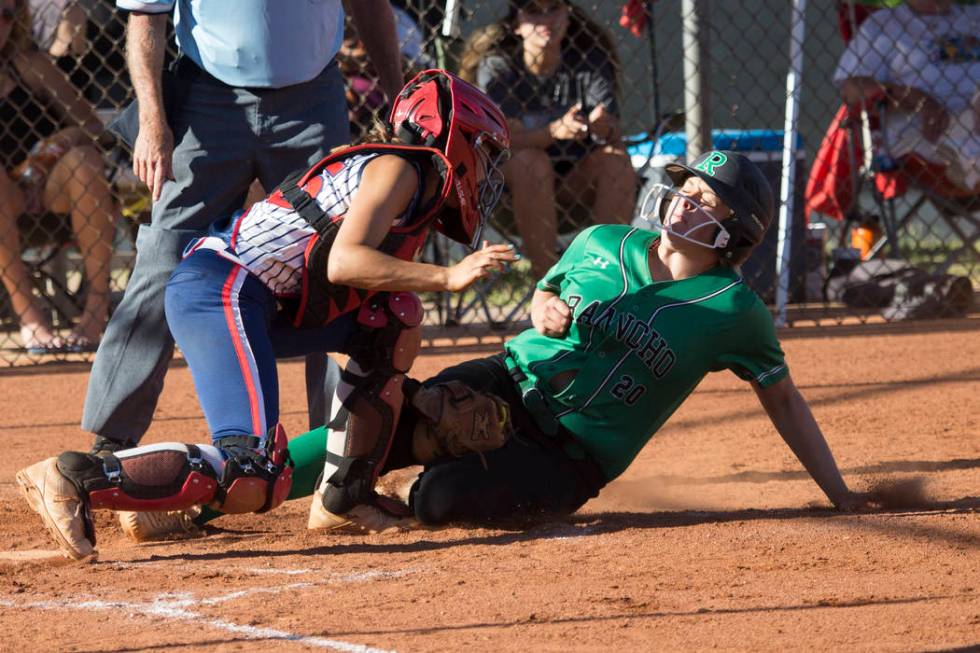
(326, 263)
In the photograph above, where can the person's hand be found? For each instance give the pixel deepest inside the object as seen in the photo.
(603, 124)
(479, 264)
(935, 119)
(153, 156)
(570, 127)
(552, 318)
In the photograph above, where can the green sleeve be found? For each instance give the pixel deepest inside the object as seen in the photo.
(551, 282)
(755, 354)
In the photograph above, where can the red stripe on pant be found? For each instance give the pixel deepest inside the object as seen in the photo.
(237, 337)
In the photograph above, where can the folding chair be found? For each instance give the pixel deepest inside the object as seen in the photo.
(855, 157)
(45, 240)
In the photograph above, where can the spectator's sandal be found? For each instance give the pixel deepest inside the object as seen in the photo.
(80, 345)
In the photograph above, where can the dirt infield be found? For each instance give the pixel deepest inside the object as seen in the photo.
(715, 537)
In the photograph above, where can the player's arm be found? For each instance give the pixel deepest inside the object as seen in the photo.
(791, 416)
(549, 314)
(386, 189)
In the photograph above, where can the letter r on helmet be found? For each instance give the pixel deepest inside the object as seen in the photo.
(714, 160)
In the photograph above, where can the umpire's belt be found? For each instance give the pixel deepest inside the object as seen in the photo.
(533, 399)
(185, 69)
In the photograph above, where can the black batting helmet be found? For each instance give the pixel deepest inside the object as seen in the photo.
(741, 185)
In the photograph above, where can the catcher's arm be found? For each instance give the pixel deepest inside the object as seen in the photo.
(386, 187)
(791, 416)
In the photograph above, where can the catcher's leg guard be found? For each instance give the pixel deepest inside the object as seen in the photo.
(371, 390)
(176, 476)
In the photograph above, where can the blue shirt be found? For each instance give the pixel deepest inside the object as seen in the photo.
(263, 43)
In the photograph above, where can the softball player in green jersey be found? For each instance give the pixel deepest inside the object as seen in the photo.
(626, 325)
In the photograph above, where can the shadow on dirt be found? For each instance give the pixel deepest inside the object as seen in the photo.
(612, 522)
(954, 376)
(749, 476)
(638, 612)
(201, 644)
(912, 327)
(859, 393)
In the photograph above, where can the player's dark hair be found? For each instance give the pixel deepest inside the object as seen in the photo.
(379, 134)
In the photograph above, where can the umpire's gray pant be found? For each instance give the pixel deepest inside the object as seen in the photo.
(225, 137)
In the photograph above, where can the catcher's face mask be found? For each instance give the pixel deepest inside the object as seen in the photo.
(686, 217)
(490, 181)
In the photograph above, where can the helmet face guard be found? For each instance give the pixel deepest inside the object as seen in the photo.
(742, 186)
(491, 187)
(661, 202)
(437, 109)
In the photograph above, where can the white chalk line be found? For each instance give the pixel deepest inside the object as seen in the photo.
(30, 554)
(179, 606)
(279, 572)
(347, 577)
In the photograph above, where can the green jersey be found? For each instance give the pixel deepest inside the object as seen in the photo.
(638, 347)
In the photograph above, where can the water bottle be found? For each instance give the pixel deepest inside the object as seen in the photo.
(865, 235)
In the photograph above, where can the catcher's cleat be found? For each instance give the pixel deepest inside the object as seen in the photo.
(64, 513)
(154, 526)
(382, 515)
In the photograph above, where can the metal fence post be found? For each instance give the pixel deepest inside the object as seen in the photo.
(787, 193)
(697, 106)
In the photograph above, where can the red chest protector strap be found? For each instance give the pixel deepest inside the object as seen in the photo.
(322, 301)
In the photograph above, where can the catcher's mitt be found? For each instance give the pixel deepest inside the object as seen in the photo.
(456, 420)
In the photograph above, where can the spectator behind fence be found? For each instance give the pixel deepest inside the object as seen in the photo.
(553, 71)
(411, 41)
(50, 164)
(256, 95)
(59, 26)
(925, 57)
(366, 101)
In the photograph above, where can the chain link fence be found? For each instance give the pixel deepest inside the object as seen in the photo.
(879, 222)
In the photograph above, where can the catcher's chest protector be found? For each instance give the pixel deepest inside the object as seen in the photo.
(320, 301)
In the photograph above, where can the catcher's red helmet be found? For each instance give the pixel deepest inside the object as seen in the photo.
(438, 109)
